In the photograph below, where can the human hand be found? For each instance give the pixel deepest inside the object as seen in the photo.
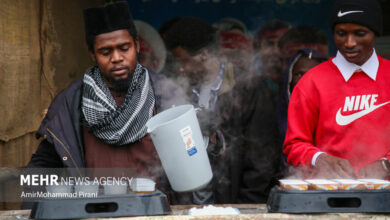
(334, 167)
(373, 170)
(213, 138)
(217, 144)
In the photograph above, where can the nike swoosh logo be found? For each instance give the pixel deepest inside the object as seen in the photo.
(341, 14)
(345, 120)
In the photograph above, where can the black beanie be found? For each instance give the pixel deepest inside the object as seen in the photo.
(367, 13)
(108, 18)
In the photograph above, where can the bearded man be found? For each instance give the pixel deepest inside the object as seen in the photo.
(99, 120)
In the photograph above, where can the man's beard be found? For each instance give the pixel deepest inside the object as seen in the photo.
(120, 85)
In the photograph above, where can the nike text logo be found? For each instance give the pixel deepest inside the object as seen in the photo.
(345, 120)
(341, 14)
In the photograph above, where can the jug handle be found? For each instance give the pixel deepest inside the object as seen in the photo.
(206, 139)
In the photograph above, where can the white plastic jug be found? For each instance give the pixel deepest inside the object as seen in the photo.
(176, 135)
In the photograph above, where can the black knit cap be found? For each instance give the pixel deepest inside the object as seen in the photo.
(108, 18)
(367, 13)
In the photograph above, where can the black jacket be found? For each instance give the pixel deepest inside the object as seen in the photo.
(253, 157)
(62, 145)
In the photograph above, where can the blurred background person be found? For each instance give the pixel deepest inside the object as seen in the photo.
(295, 39)
(230, 24)
(193, 44)
(249, 124)
(243, 118)
(169, 68)
(299, 64)
(268, 60)
(152, 52)
(235, 45)
(164, 27)
(302, 37)
(253, 154)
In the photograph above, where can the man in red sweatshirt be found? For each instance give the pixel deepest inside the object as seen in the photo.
(338, 117)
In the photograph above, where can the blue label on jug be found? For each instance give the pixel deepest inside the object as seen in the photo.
(192, 151)
(186, 135)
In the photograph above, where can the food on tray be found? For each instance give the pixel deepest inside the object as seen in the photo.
(333, 184)
(142, 185)
(293, 184)
(376, 183)
(350, 184)
(322, 184)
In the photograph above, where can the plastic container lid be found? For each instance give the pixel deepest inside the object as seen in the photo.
(142, 185)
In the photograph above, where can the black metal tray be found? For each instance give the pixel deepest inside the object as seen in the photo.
(322, 201)
(102, 206)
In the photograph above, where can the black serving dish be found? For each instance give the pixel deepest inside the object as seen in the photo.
(332, 201)
(130, 204)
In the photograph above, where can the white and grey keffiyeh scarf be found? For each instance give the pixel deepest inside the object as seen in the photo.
(117, 125)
